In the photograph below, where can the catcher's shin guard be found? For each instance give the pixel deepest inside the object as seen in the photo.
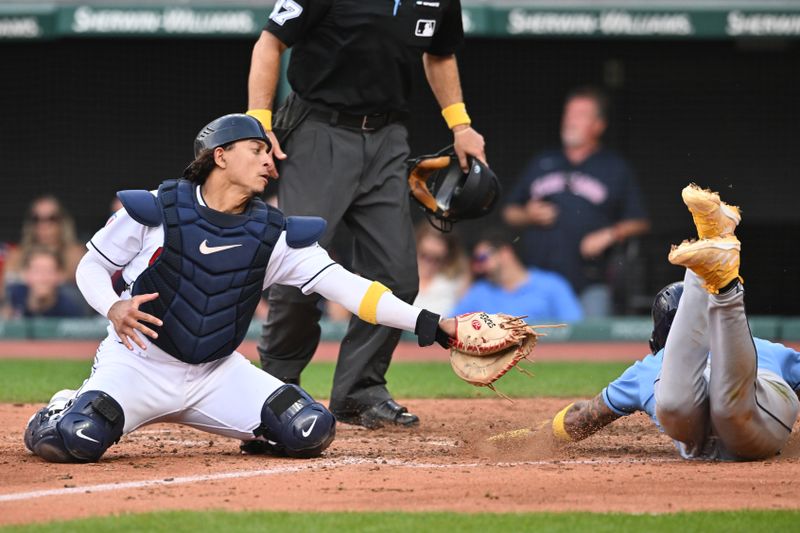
(293, 424)
(81, 433)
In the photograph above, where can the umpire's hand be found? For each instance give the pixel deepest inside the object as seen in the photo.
(126, 317)
(468, 142)
(276, 153)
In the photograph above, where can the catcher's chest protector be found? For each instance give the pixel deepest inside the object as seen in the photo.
(209, 275)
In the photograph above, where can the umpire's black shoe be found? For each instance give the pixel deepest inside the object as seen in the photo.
(379, 415)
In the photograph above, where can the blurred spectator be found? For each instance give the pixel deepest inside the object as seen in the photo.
(41, 293)
(443, 270)
(47, 225)
(509, 287)
(4, 250)
(578, 202)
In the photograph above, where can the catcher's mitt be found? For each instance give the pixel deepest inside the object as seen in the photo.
(486, 346)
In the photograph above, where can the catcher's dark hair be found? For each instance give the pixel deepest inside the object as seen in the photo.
(199, 169)
(595, 93)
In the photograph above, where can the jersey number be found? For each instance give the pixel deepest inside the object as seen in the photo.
(285, 10)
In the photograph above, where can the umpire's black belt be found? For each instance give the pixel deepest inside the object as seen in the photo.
(361, 122)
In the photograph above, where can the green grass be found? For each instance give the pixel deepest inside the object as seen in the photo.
(193, 522)
(36, 380)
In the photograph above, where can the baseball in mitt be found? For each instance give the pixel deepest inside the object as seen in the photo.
(486, 346)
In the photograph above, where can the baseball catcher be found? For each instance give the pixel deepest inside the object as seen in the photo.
(195, 256)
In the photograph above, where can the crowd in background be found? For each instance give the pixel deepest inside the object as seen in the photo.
(39, 271)
(570, 208)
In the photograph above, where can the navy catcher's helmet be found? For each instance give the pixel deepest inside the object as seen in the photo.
(446, 193)
(227, 129)
(664, 308)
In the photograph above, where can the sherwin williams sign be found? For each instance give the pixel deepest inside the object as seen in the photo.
(90, 20)
(592, 24)
(651, 23)
(481, 19)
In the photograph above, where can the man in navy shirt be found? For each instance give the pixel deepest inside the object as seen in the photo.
(578, 202)
(509, 287)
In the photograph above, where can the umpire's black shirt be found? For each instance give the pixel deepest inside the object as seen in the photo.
(357, 56)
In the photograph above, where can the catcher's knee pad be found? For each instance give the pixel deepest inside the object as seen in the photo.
(81, 433)
(294, 424)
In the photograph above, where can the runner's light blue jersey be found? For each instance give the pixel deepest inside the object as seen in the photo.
(634, 389)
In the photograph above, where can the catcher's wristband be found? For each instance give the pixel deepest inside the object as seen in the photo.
(368, 308)
(456, 114)
(264, 116)
(428, 331)
(559, 431)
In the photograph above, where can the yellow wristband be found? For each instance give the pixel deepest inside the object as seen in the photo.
(264, 116)
(559, 431)
(456, 114)
(368, 308)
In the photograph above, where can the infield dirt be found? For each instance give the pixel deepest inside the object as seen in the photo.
(444, 464)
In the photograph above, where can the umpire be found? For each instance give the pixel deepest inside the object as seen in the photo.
(342, 144)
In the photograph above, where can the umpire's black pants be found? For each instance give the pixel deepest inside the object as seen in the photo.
(359, 178)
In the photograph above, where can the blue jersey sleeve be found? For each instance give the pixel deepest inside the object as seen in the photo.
(780, 359)
(633, 390)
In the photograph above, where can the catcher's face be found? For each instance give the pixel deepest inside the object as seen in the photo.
(245, 164)
(581, 123)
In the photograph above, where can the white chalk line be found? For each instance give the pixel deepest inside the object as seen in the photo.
(286, 469)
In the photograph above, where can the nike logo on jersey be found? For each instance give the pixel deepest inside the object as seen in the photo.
(81, 434)
(307, 432)
(205, 249)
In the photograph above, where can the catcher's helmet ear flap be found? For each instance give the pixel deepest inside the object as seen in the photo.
(227, 129)
(446, 193)
(665, 306)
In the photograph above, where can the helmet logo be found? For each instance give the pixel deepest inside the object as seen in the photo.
(476, 324)
(476, 169)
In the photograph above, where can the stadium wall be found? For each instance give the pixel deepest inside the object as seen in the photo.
(82, 118)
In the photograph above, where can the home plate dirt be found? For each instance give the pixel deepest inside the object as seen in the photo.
(446, 464)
